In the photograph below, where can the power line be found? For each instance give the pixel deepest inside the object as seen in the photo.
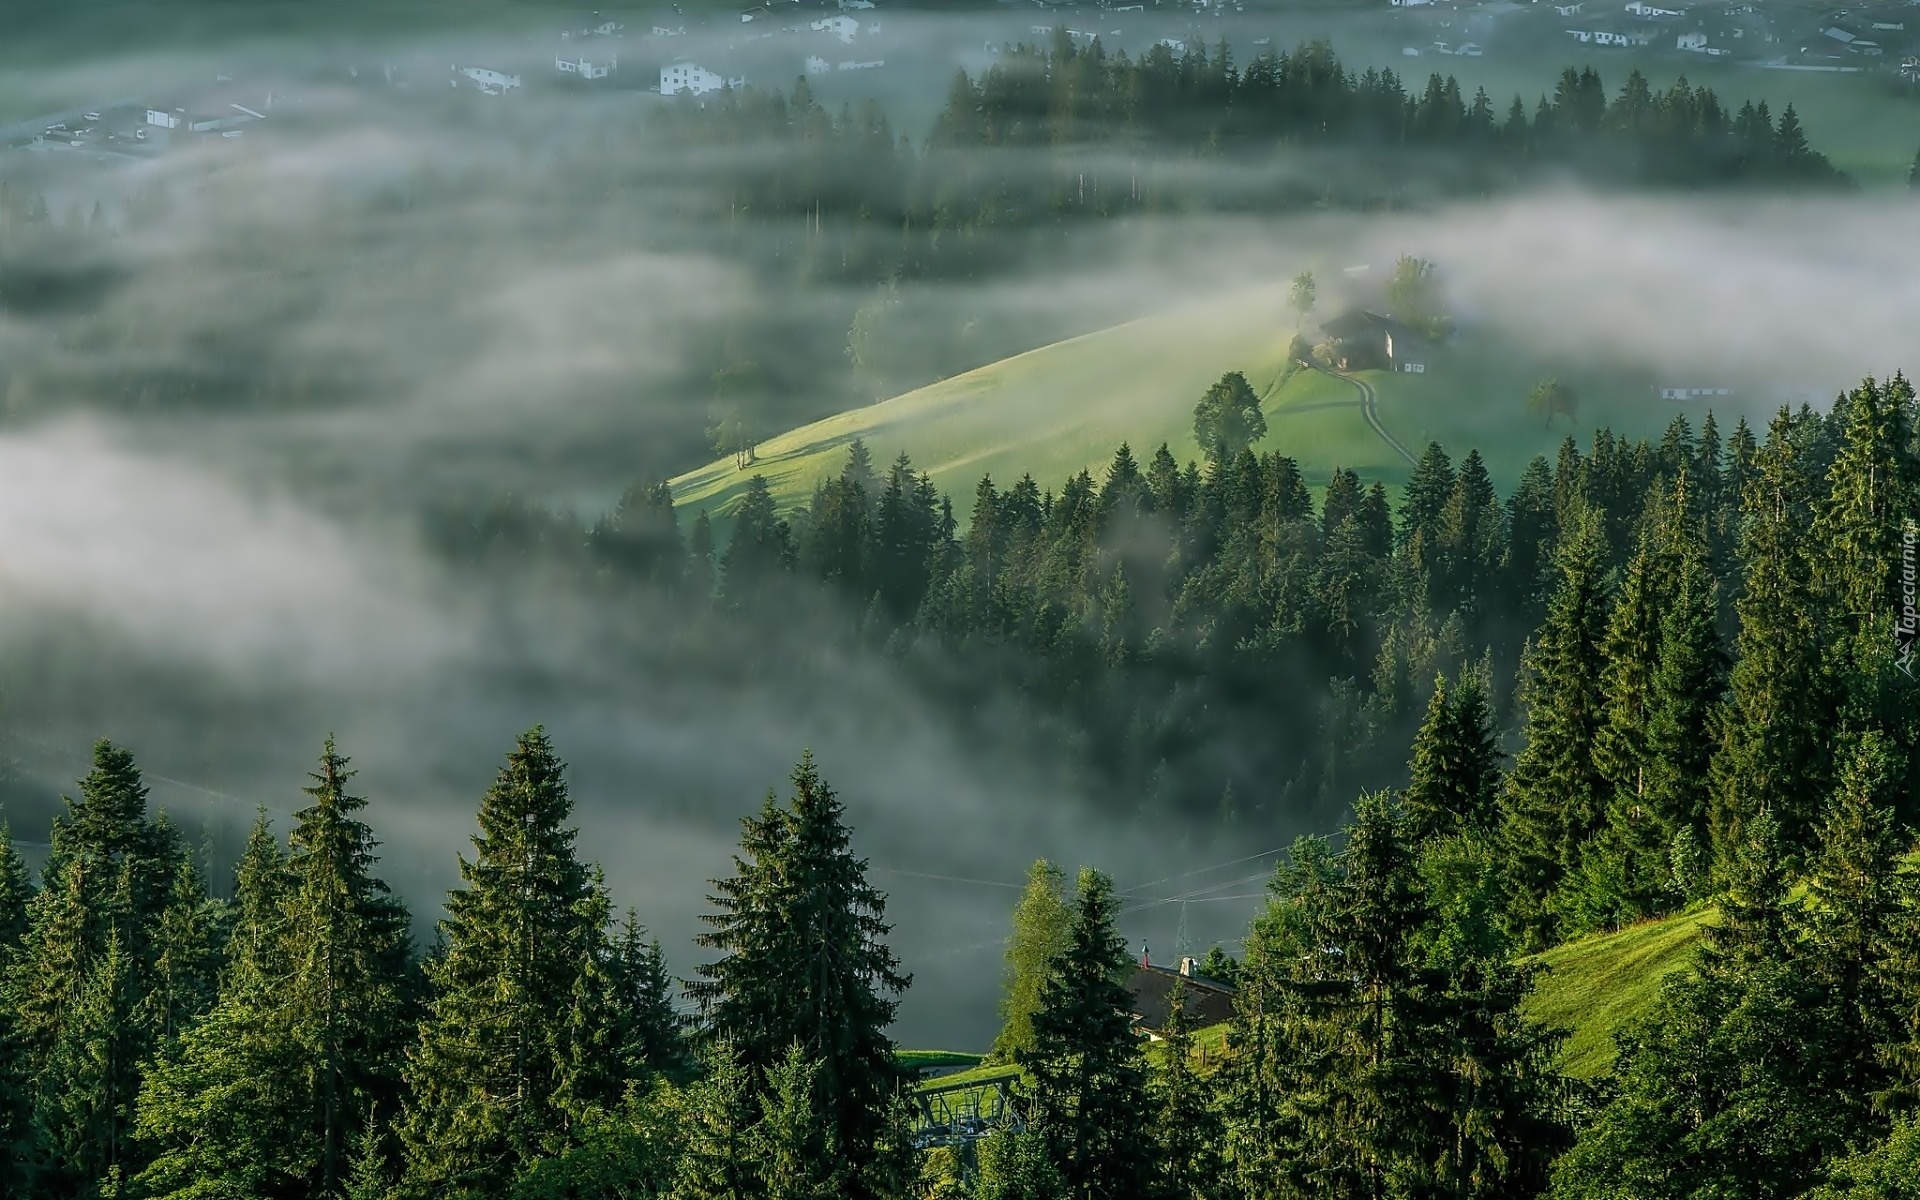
(70, 756)
(1203, 870)
(999, 883)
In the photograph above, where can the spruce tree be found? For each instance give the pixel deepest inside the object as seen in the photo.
(1015, 1165)
(496, 1051)
(1686, 695)
(1552, 802)
(1186, 1119)
(1042, 924)
(1455, 763)
(1089, 1083)
(346, 947)
(651, 1035)
(793, 1142)
(81, 985)
(718, 1161)
(1854, 898)
(1780, 716)
(804, 960)
(16, 891)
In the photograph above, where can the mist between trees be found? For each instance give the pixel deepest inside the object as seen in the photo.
(1711, 713)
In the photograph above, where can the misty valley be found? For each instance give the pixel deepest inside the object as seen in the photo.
(959, 600)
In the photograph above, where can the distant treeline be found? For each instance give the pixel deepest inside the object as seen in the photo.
(1081, 134)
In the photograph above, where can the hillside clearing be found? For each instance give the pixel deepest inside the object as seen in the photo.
(1599, 984)
(1067, 406)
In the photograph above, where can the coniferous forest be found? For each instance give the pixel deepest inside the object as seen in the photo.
(1652, 678)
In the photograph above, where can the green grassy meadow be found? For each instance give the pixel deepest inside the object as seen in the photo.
(1596, 985)
(1049, 412)
(1052, 411)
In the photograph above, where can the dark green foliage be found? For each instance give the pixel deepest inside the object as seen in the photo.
(89, 1000)
(717, 1161)
(1228, 418)
(1017, 1166)
(1554, 797)
(1378, 1048)
(16, 890)
(1780, 718)
(650, 1036)
(793, 1143)
(1455, 765)
(1089, 1089)
(804, 961)
(498, 1075)
(269, 1095)
(1187, 1122)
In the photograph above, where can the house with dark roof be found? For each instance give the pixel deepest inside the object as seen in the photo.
(1209, 1001)
(1359, 340)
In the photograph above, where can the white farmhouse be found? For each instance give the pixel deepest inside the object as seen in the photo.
(844, 28)
(684, 76)
(817, 65)
(861, 66)
(1640, 8)
(488, 80)
(855, 5)
(1409, 3)
(1567, 10)
(1693, 393)
(1695, 43)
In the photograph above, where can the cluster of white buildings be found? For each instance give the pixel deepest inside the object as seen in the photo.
(693, 80)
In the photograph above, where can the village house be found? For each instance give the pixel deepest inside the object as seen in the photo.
(1359, 340)
(684, 76)
(1208, 1001)
(1693, 393)
(587, 68)
(1640, 8)
(844, 28)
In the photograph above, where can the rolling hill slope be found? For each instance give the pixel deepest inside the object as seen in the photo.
(1066, 406)
(1596, 985)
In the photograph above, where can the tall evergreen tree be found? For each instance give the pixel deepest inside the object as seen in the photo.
(793, 1141)
(804, 960)
(16, 891)
(496, 1053)
(1455, 764)
(88, 965)
(346, 949)
(651, 1035)
(719, 1162)
(1089, 1080)
(1781, 711)
(1553, 798)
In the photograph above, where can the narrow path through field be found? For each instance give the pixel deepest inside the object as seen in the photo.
(1368, 400)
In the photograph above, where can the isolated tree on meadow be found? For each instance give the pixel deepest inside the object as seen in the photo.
(1304, 293)
(1228, 418)
(1551, 398)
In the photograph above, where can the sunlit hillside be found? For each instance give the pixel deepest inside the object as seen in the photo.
(1595, 986)
(1053, 411)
